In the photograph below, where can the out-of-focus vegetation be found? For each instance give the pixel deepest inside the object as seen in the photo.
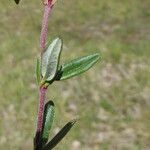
(112, 100)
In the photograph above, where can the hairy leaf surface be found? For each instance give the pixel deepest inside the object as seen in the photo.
(50, 59)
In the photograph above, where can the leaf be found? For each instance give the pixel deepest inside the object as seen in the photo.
(50, 59)
(47, 121)
(17, 1)
(38, 71)
(60, 135)
(76, 66)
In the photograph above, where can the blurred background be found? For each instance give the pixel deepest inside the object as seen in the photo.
(112, 99)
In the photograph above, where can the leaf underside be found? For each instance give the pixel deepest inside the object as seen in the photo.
(59, 136)
(50, 59)
(76, 66)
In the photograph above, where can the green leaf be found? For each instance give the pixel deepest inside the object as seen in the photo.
(50, 59)
(47, 121)
(60, 135)
(17, 1)
(76, 66)
(38, 71)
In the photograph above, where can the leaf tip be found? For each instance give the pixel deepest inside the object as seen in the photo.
(73, 122)
(58, 39)
(97, 56)
(50, 102)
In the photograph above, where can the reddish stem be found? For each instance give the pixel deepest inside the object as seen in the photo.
(42, 89)
(37, 139)
(42, 95)
(44, 30)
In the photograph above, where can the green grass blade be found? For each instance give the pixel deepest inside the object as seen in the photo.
(77, 66)
(47, 121)
(59, 136)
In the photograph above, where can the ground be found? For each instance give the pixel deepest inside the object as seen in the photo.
(111, 100)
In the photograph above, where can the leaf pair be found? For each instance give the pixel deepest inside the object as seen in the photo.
(48, 68)
(47, 124)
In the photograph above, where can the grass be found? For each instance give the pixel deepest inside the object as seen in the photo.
(111, 100)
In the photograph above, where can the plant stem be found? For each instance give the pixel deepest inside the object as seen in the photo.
(42, 89)
(42, 95)
(47, 11)
(37, 139)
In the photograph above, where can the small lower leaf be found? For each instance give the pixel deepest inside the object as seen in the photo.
(47, 121)
(60, 135)
(76, 66)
